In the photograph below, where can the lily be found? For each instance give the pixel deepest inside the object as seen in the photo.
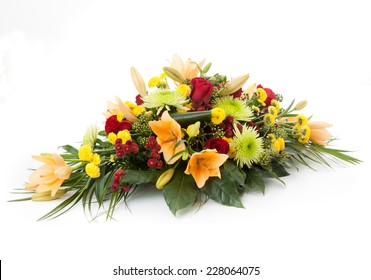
(318, 132)
(51, 175)
(119, 106)
(169, 135)
(188, 69)
(205, 164)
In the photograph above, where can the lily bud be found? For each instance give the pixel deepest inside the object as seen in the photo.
(174, 74)
(46, 196)
(185, 155)
(301, 105)
(138, 82)
(90, 136)
(193, 129)
(234, 84)
(164, 178)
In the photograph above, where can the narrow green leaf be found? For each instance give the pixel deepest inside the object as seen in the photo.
(180, 192)
(71, 150)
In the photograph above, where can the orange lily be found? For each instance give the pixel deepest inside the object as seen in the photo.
(114, 109)
(51, 175)
(204, 165)
(168, 133)
(318, 132)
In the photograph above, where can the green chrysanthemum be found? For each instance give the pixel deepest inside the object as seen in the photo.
(165, 98)
(235, 108)
(249, 146)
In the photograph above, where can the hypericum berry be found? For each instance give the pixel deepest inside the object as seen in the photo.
(229, 133)
(126, 188)
(151, 163)
(229, 119)
(158, 164)
(134, 147)
(158, 147)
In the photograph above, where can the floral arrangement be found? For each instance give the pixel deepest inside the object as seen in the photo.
(191, 135)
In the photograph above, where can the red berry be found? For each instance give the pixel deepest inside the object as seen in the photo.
(159, 165)
(126, 188)
(228, 133)
(229, 119)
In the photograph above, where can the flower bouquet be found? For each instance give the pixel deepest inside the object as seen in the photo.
(192, 135)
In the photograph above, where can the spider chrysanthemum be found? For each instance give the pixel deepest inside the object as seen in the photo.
(248, 144)
(163, 99)
(235, 108)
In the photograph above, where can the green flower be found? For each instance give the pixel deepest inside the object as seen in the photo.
(235, 108)
(163, 99)
(249, 146)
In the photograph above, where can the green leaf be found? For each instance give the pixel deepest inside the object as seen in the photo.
(69, 149)
(191, 117)
(102, 185)
(279, 169)
(235, 172)
(224, 190)
(255, 180)
(137, 177)
(180, 192)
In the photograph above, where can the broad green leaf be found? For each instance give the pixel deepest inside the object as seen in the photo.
(223, 190)
(255, 180)
(279, 169)
(71, 150)
(180, 192)
(235, 172)
(137, 177)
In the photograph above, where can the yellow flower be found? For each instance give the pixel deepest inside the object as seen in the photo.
(269, 119)
(120, 116)
(273, 111)
(50, 176)
(112, 138)
(163, 75)
(92, 170)
(303, 135)
(217, 115)
(204, 165)
(278, 144)
(154, 81)
(138, 110)
(168, 133)
(124, 135)
(184, 90)
(187, 105)
(255, 109)
(302, 120)
(85, 153)
(232, 152)
(276, 104)
(130, 104)
(95, 159)
(262, 96)
(112, 158)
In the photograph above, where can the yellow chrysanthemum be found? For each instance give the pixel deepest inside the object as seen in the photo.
(255, 109)
(302, 120)
(130, 104)
(154, 81)
(276, 104)
(92, 170)
(303, 135)
(85, 152)
(187, 105)
(269, 119)
(184, 90)
(273, 111)
(124, 135)
(138, 110)
(232, 152)
(112, 158)
(95, 159)
(163, 75)
(120, 116)
(217, 115)
(262, 96)
(112, 138)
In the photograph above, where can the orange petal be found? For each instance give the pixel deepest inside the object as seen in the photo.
(200, 175)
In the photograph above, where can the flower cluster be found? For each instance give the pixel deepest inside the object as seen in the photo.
(191, 135)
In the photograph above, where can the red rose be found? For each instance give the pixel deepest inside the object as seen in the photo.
(237, 94)
(113, 125)
(201, 90)
(219, 144)
(270, 95)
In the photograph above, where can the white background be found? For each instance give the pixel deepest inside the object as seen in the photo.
(60, 61)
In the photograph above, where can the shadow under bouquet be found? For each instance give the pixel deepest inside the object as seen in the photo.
(192, 135)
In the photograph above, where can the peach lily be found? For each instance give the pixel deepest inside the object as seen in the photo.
(188, 69)
(168, 133)
(204, 165)
(318, 132)
(51, 175)
(119, 106)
